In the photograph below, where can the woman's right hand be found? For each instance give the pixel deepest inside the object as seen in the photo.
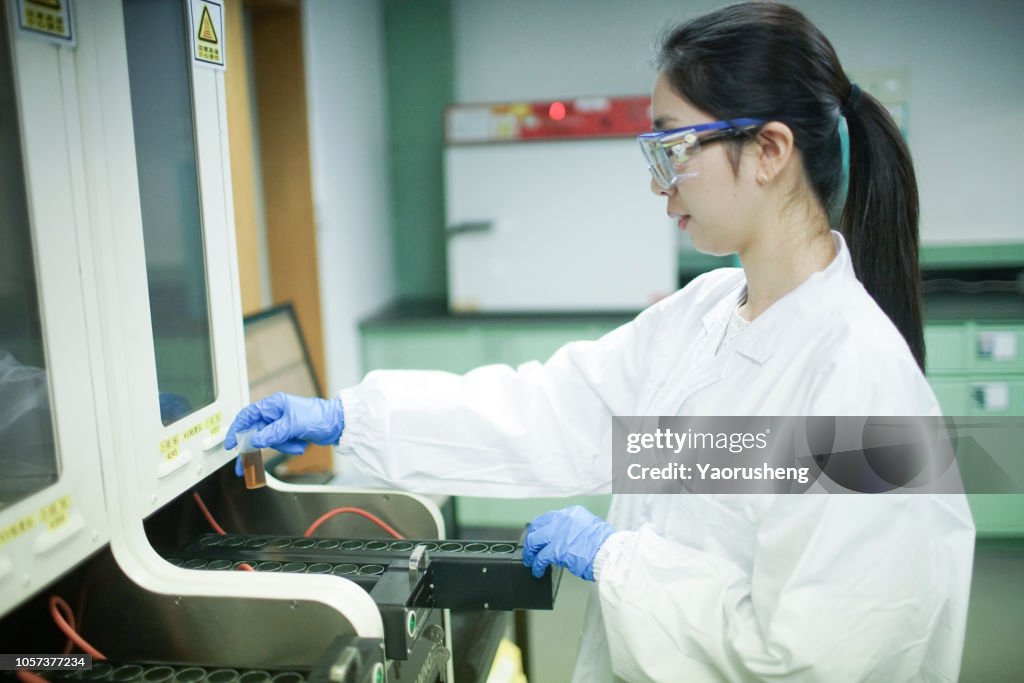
(289, 423)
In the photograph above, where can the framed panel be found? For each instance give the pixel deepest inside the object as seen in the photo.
(57, 517)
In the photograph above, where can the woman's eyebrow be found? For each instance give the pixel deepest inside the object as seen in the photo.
(661, 123)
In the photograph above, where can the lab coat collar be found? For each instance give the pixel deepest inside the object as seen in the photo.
(809, 300)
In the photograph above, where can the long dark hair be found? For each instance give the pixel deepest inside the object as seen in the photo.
(768, 61)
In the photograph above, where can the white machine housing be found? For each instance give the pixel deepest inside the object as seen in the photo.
(120, 463)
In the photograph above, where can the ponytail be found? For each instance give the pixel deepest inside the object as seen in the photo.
(879, 219)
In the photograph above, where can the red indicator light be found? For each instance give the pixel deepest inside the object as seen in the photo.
(556, 111)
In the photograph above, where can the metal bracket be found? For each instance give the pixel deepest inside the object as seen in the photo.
(418, 561)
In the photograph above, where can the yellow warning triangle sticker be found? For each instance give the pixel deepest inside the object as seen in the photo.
(206, 32)
(51, 4)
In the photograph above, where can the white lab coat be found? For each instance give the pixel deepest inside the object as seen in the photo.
(706, 587)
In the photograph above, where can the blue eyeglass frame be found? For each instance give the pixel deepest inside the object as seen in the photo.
(655, 145)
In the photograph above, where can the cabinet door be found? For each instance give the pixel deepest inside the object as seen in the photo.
(454, 348)
(947, 347)
(996, 348)
(995, 395)
(953, 394)
(52, 508)
(164, 260)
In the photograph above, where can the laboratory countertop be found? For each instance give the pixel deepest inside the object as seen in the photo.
(939, 306)
(435, 311)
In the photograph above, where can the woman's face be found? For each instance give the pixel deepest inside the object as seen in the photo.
(716, 206)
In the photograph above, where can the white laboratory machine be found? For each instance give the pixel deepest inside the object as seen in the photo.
(122, 363)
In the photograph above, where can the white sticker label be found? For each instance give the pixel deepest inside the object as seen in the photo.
(47, 19)
(206, 29)
(993, 396)
(1000, 346)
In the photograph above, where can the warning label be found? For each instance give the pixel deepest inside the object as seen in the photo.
(207, 24)
(207, 33)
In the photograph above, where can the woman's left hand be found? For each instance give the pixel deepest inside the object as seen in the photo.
(569, 538)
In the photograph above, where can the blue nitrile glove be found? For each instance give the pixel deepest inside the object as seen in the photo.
(289, 423)
(569, 538)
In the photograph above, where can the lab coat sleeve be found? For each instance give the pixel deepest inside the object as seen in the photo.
(542, 429)
(842, 588)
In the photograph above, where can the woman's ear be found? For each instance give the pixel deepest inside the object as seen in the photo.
(775, 140)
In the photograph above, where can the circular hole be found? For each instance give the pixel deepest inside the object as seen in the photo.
(99, 670)
(450, 547)
(304, 543)
(503, 548)
(294, 567)
(351, 545)
(371, 569)
(128, 672)
(192, 674)
(347, 568)
(222, 676)
(280, 543)
(233, 541)
(400, 546)
(327, 544)
(318, 568)
(268, 567)
(256, 543)
(219, 564)
(475, 547)
(288, 677)
(176, 561)
(195, 563)
(376, 545)
(158, 674)
(210, 540)
(431, 546)
(254, 677)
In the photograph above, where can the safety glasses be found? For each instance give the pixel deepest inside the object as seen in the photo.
(670, 153)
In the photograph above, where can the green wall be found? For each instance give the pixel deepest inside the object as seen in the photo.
(418, 41)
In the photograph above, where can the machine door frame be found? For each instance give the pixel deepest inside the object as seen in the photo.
(54, 528)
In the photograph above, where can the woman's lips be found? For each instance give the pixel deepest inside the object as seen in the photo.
(683, 220)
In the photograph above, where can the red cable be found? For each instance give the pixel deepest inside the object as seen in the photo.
(356, 511)
(313, 527)
(29, 677)
(57, 606)
(206, 513)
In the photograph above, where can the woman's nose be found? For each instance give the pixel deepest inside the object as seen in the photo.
(658, 190)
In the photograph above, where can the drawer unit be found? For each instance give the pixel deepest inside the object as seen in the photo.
(976, 368)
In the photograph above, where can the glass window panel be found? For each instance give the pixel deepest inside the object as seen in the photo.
(28, 458)
(161, 93)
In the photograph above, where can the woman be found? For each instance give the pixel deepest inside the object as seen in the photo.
(748, 104)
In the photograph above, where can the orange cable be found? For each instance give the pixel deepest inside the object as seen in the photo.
(30, 677)
(61, 613)
(206, 513)
(244, 567)
(356, 511)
